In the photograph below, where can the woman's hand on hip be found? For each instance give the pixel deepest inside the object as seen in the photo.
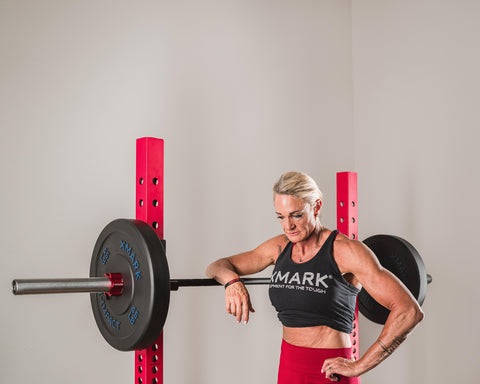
(237, 302)
(339, 366)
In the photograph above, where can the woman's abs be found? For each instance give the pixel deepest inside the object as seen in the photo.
(316, 337)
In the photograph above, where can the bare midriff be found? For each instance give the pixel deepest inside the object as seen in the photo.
(316, 337)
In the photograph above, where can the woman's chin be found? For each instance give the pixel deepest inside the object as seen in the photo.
(294, 238)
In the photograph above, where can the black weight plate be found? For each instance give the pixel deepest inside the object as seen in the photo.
(402, 259)
(135, 319)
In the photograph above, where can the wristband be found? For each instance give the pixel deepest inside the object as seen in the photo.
(232, 282)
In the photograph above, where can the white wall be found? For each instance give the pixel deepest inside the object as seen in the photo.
(241, 91)
(416, 106)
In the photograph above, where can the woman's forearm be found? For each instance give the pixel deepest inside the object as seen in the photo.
(394, 333)
(222, 270)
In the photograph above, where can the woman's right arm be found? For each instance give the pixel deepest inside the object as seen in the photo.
(237, 299)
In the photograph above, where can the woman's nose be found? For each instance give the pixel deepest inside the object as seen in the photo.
(289, 224)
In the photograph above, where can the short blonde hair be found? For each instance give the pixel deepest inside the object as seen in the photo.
(299, 185)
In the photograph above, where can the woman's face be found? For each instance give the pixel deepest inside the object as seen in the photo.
(297, 218)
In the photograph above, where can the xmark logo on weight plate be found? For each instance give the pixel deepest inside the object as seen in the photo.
(305, 281)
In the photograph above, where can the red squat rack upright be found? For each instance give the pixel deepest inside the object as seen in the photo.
(347, 218)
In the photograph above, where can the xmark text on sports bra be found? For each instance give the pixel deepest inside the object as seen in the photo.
(304, 278)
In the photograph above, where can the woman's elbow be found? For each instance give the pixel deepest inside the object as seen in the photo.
(408, 314)
(414, 314)
(419, 314)
(210, 270)
(217, 267)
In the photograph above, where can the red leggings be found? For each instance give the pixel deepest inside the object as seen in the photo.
(300, 365)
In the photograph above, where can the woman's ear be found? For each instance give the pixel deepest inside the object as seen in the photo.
(318, 206)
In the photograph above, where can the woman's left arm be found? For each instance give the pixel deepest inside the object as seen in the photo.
(405, 313)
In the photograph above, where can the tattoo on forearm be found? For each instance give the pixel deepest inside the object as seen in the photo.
(395, 344)
(387, 351)
(383, 346)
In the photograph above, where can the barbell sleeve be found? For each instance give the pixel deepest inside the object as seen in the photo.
(33, 286)
(111, 284)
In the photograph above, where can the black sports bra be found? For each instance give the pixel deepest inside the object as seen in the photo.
(312, 293)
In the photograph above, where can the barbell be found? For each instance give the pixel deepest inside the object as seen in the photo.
(130, 283)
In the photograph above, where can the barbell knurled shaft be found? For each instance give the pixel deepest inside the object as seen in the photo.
(176, 283)
(37, 286)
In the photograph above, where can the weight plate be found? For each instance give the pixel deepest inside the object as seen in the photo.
(135, 319)
(402, 259)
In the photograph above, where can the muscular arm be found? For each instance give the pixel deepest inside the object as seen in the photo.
(247, 263)
(405, 313)
(237, 299)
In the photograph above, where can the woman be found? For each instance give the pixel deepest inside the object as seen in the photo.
(317, 275)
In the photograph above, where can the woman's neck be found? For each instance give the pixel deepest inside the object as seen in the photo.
(311, 243)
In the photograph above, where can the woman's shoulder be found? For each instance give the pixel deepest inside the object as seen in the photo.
(274, 246)
(345, 244)
(280, 242)
(350, 252)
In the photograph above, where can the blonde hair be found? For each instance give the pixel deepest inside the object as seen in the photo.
(299, 185)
